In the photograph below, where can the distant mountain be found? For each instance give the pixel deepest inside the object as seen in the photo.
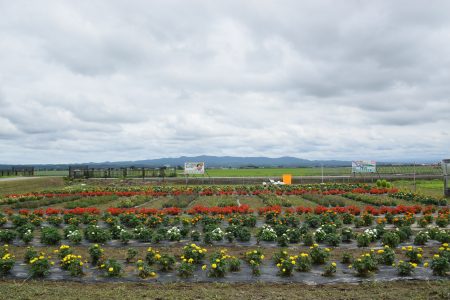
(210, 161)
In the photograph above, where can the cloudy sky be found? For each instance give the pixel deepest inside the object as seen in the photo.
(110, 80)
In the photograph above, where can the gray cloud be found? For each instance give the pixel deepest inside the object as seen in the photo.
(113, 80)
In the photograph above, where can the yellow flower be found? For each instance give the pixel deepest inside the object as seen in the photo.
(278, 265)
(333, 264)
(350, 266)
(419, 255)
(111, 269)
(262, 256)
(381, 251)
(213, 266)
(436, 256)
(140, 268)
(153, 274)
(425, 265)
(445, 245)
(204, 267)
(217, 260)
(293, 262)
(284, 270)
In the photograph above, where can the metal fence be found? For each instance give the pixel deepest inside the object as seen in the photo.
(86, 172)
(22, 171)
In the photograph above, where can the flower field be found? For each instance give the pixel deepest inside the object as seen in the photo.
(314, 234)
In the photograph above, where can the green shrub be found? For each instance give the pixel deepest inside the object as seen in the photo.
(7, 236)
(329, 270)
(405, 268)
(40, 266)
(96, 234)
(440, 265)
(386, 256)
(186, 269)
(96, 254)
(390, 239)
(50, 236)
(304, 262)
(365, 265)
(112, 268)
(319, 255)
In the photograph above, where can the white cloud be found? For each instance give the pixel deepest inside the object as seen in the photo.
(113, 80)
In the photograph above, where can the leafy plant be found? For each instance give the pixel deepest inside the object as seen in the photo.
(304, 262)
(50, 236)
(365, 265)
(405, 268)
(96, 254)
(319, 255)
(329, 270)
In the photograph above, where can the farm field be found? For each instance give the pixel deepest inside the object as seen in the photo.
(327, 171)
(277, 172)
(222, 241)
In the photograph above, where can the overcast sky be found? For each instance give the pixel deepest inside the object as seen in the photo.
(85, 81)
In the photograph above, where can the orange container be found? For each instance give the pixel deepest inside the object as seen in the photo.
(287, 178)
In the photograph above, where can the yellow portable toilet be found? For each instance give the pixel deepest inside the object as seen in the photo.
(287, 178)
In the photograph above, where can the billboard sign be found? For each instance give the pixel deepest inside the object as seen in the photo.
(194, 168)
(364, 166)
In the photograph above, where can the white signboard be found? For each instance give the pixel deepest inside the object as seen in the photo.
(194, 168)
(364, 166)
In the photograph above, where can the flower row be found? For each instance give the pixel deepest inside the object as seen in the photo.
(220, 262)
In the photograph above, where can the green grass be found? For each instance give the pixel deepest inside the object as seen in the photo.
(73, 290)
(316, 171)
(51, 173)
(428, 187)
(30, 185)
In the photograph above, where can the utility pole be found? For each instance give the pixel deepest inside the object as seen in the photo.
(414, 176)
(322, 173)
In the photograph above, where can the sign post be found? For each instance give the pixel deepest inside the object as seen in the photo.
(446, 173)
